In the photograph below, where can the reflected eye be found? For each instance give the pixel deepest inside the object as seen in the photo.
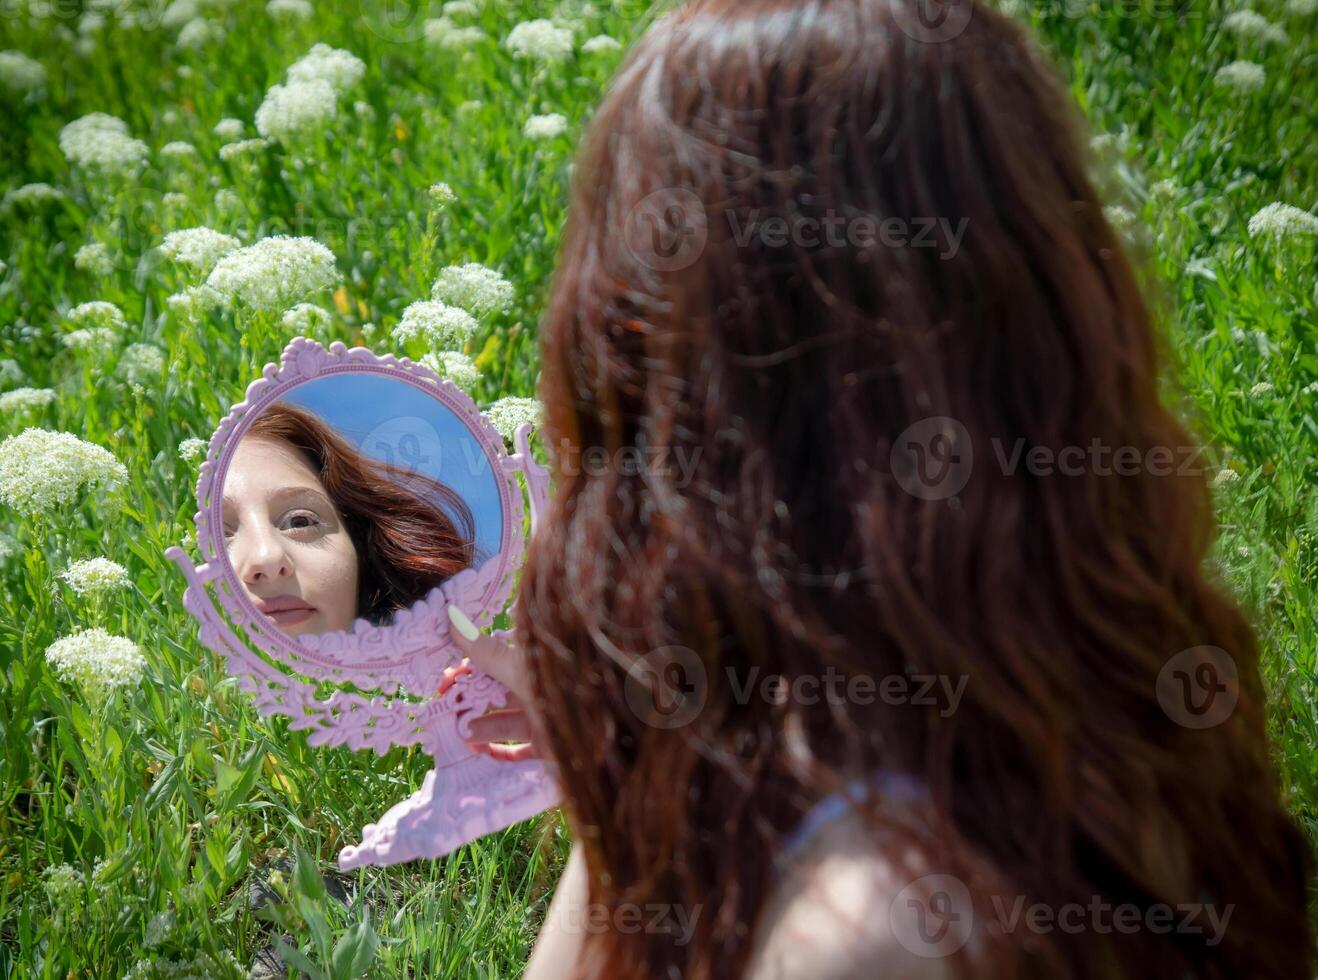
(303, 521)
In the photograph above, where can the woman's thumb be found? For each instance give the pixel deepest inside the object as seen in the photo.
(487, 653)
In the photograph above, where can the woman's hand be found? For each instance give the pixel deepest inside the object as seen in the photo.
(500, 658)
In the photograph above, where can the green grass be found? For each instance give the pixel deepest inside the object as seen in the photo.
(179, 787)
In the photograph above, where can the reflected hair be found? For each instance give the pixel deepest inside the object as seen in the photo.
(411, 531)
(787, 372)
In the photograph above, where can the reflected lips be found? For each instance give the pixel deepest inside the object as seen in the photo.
(286, 610)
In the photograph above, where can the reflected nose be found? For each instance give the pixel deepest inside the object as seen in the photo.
(260, 557)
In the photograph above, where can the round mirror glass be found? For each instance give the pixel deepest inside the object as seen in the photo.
(351, 497)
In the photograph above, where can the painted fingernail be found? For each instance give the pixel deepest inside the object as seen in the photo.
(464, 625)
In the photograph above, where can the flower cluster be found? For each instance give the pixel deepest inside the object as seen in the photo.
(94, 257)
(19, 73)
(97, 661)
(454, 365)
(1244, 76)
(25, 399)
(1251, 24)
(474, 287)
(275, 272)
(102, 143)
(539, 40)
(545, 127)
(1279, 220)
(95, 576)
(41, 469)
(445, 34)
(507, 414)
(438, 324)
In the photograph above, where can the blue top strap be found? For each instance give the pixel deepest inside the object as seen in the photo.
(889, 785)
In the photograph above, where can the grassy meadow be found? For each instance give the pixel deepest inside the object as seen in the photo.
(141, 796)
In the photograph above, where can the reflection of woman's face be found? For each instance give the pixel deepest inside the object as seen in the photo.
(286, 540)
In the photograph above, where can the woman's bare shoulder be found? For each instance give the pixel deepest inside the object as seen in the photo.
(844, 910)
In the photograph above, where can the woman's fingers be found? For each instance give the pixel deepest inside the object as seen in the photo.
(494, 655)
(500, 726)
(505, 753)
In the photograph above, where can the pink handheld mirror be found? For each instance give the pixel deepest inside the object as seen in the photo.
(327, 581)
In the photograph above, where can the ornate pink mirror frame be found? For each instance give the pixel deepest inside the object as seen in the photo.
(465, 795)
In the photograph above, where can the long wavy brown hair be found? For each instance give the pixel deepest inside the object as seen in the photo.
(797, 543)
(411, 531)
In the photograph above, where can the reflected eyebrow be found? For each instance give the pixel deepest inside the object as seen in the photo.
(285, 493)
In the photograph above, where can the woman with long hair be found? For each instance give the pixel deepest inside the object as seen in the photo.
(852, 266)
(321, 534)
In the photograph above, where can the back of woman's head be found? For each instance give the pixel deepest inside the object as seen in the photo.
(846, 374)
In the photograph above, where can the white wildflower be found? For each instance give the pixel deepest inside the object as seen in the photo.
(275, 272)
(174, 199)
(199, 32)
(98, 661)
(539, 40)
(340, 69)
(443, 33)
(19, 73)
(229, 129)
(179, 13)
(30, 195)
(141, 364)
(469, 107)
(227, 200)
(296, 108)
(1279, 220)
(159, 929)
(230, 151)
(1164, 190)
(507, 414)
(454, 365)
(1302, 8)
(1225, 476)
(461, 8)
(1244, 76)
(193, 303)
(1251, 24)
(10, 372)
(474, 287)
(290, 9)
(199, 248)
(102, 143)
(95, 340)
(600, 42)
(1262, 388)
(192, 449)
(25, 399)
(98, 313)
(94, 257)
(63, 884)
(545, 127)
(440, 325)
(178, 150)
(1121, 218)
(40, 469)
(305, 317)
(95, 576)
(441, 196)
